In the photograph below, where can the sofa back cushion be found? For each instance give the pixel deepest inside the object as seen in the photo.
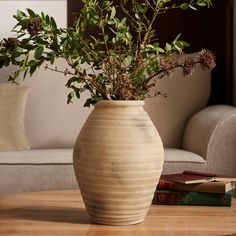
(50, 121)
(185, 96)
(12, 109)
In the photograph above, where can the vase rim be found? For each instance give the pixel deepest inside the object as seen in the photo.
(120, 103)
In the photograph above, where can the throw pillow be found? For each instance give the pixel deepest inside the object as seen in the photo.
(12, 108)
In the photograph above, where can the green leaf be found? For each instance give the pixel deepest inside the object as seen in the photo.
(32, 63)
(176, 39)
(47, 19)
(184, 43)
(128, 60)
(159, 49)
(71, 80)
(31, 13)
(106, 38)
(77, 93)
(20, 14)
(168, 47)
(88, 102)
(33, 69)
(201, 3)
(184, 6)
(70, 97)
(53, 22)
(38, 52)
(113, 13)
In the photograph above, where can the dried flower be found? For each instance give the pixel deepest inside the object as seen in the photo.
(207, 59)
(124, 88)
(188, 66)
(166, 65)
(11, 43)
(34, 26)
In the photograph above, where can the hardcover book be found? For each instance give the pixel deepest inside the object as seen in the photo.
(191, 177)
(164, 197)
(209, 187)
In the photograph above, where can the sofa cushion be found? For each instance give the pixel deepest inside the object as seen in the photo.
(185, 96)
(12, 110)
(178, 160)
(36, 170)
(50, 121)
(37, 157)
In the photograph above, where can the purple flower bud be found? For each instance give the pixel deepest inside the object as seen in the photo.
(34, 26)
(11, 43)
(207, 59)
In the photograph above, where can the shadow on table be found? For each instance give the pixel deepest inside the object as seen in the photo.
(50, 214)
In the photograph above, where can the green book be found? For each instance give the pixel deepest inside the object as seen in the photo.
(164, 197)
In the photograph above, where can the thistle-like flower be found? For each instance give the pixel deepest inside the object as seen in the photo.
(166, 66)
(188, 66)
(34, 26)
(207, 59)
(11, 43)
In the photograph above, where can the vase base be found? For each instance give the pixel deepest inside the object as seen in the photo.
(113, 222)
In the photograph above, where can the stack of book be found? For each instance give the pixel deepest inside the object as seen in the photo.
(194, 188)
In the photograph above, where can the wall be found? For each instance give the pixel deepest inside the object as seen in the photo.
(57, 9)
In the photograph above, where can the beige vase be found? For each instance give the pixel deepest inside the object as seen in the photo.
(118, 159)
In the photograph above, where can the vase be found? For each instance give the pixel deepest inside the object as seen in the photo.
(118, 159)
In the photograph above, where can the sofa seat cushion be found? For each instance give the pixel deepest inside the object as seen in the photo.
(178, 160)
(37, 157)
(36, 170)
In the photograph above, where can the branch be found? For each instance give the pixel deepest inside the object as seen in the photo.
(65, 72)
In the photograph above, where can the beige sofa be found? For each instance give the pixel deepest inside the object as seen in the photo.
(194, 138)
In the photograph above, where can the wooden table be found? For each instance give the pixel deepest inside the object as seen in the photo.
(63, 213)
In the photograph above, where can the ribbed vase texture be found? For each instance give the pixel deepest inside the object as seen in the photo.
(118, 159)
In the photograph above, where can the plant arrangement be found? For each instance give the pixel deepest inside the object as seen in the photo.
(112, 50)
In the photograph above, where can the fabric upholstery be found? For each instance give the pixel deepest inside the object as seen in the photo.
(12, 110)
(36, 170)
(178, 160)
(50, 121)
(211, 133)
(45, 169)
(185, 96)
(37, 156)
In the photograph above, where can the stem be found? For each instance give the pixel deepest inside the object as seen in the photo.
(150, 25)
(59, 71)
(103, 34)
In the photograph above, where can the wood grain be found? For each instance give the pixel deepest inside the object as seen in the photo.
(63, 213)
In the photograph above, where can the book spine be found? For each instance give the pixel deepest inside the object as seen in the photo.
(166, 185)
(162, 197)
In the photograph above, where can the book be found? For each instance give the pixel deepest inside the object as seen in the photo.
(165, 197)
(209, 187)
(191, 177)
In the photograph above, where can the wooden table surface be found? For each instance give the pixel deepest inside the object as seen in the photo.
(63, 213)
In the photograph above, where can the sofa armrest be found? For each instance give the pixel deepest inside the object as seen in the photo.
(211, 133)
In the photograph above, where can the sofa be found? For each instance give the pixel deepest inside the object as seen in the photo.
(195, 137)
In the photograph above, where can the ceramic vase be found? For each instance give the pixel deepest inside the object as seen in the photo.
(118, 158)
